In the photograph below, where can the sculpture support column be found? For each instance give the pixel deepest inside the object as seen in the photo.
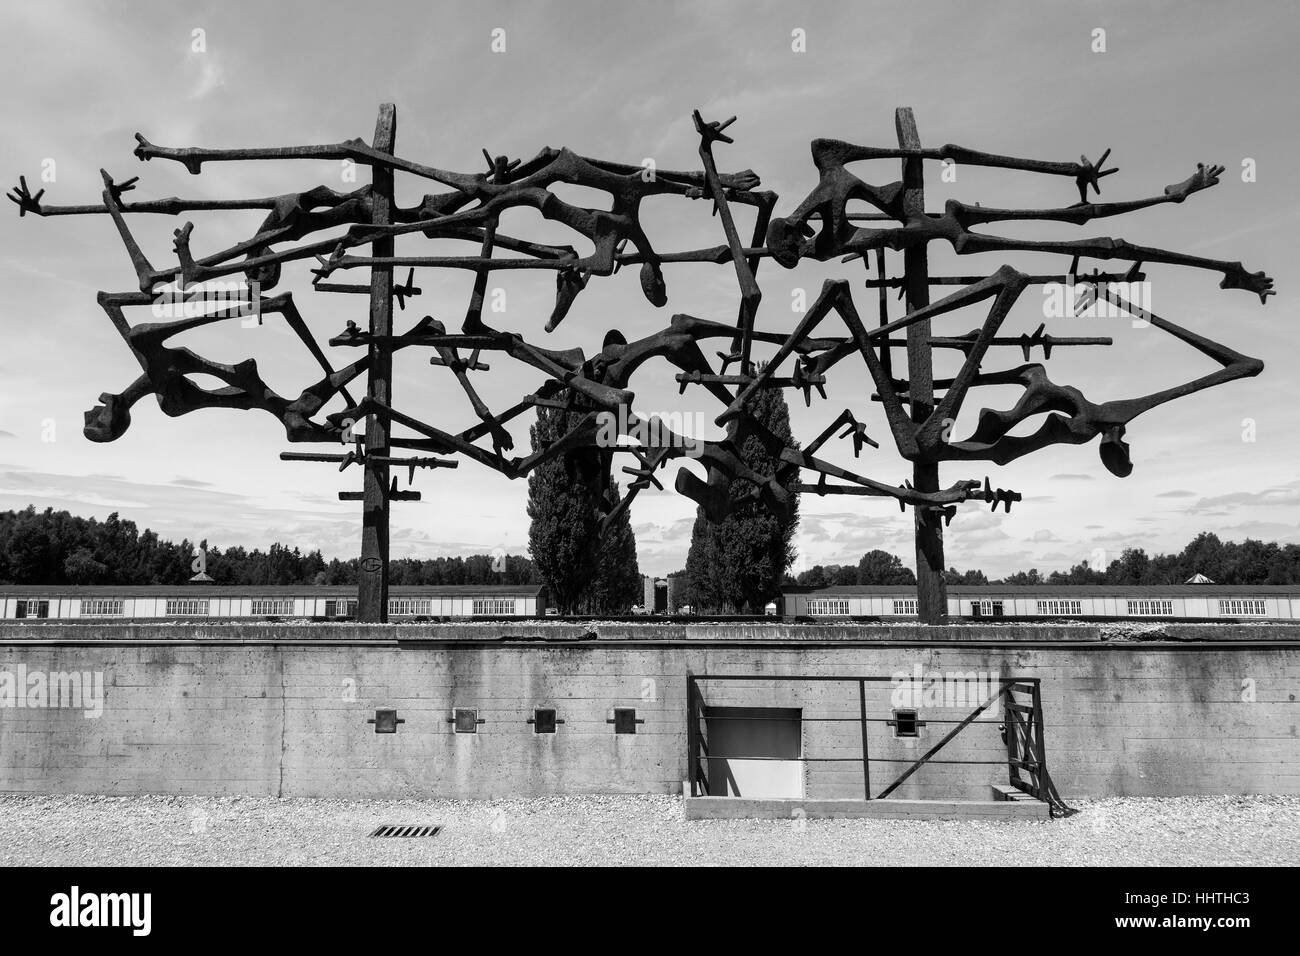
(931, 592)
(372, 590)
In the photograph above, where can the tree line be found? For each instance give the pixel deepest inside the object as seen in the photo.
(57, 547)
(737, 565)
(1224, 562)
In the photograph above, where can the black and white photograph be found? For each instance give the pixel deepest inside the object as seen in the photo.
(449, 440)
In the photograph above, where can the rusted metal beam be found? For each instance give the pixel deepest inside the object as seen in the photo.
(931, 591)
(372, 587)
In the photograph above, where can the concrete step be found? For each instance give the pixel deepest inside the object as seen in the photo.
(734, 808)
(1004, 791)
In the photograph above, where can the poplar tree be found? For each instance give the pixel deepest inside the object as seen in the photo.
(616, 585)
(565, 520)
(738, 564)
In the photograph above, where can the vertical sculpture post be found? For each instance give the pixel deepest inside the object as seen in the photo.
(931, 593)
(372, 592)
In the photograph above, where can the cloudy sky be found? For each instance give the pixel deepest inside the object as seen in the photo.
(1175, 85)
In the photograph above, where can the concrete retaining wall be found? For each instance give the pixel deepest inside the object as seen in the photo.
(260, 710)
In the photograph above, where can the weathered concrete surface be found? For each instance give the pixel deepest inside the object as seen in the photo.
(741, 808)
(1230, 632)
(266, 712)
(665, 631)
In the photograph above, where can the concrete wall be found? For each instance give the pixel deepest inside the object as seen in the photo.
(257, 709)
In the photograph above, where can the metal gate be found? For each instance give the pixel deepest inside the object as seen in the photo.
(1021, 729)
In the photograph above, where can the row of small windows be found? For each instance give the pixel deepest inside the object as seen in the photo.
(1057, 608)
(409, 607)
(545, 720)
(839, 607)
(828, 607)
(492, 606)
(186, 607)
(260, 607)
(272, 606)
(1243, 607)
(1153, 607)
(101, 607)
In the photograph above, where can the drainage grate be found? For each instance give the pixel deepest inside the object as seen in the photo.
(392, 830)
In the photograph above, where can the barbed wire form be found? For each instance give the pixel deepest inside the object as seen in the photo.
(598, 387)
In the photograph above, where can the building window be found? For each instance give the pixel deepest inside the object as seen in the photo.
(408, 607)
(492, 607)
(906, 724)
(905, 606)
(386, 721)
(343, 607)
(1151, 608)
(465, 720)
(625, 720)
(986, 608)
(186, 606)
(101, 607)
(828, 607)
(32, 607)
(1243, 607)
(1058, 608)
(272, 607)
(544, 720)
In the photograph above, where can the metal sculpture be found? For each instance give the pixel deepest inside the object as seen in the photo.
(820, 228)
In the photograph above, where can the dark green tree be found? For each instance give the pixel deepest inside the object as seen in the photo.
(31, 550)
(565, 520)
(738, 564)
(953, 576)
(616, 585)
(1131, 567)
(700, 578)
(881, 567)
(1204, 554)
(818, 576)
(1081, 573)
(1030, 577)
(81, 567)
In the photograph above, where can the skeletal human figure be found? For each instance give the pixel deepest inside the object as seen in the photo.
(165, 371)
(792, 238)
(527, 185)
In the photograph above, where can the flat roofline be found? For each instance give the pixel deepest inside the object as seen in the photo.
(1057, 590)
(257, 590)
(670, 643)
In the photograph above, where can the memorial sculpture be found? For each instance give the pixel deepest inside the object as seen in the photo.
(920, 411)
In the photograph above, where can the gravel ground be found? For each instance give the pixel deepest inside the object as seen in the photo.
(626, 830)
